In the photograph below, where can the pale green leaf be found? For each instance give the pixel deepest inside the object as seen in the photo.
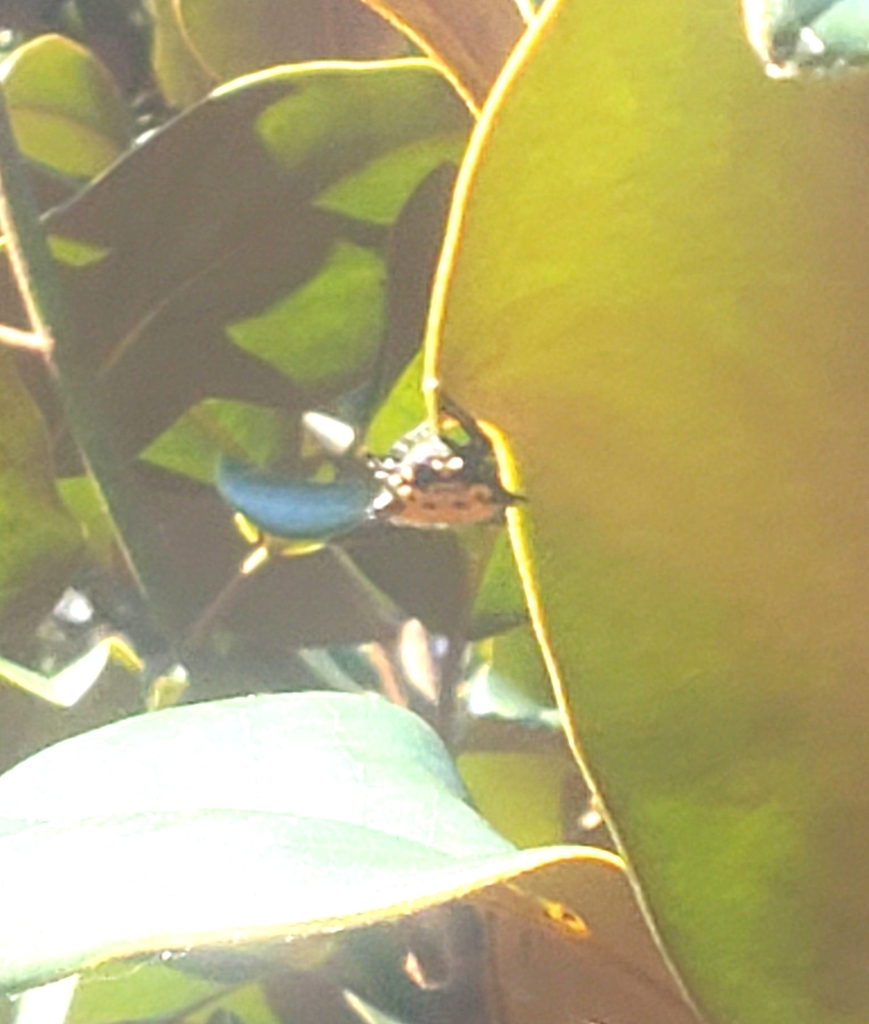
(241, 821)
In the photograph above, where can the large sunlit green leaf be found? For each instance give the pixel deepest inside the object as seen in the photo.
(660, 294)
(66, 110)
(239, 822)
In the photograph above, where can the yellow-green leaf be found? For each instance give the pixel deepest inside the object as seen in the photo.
(66, 110)
(179, 72)
(75, 253)
(215, 427)
(378, 192)
(660, 294)
(117, 992)
(39, 540)
(520, 793)
(330, 326)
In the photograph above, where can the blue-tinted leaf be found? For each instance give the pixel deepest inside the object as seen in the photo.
(794, 34)
(297, 509)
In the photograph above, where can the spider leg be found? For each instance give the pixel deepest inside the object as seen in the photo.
(478, 446)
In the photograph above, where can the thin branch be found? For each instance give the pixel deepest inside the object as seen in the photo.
(41, 289)
(16, 338)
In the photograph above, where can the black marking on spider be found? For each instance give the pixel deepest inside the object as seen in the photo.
(432, 480)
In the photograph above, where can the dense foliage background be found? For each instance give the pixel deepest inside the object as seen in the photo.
(625, 237)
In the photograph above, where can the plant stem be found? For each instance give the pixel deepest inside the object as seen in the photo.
(41, 289)
(16, 338)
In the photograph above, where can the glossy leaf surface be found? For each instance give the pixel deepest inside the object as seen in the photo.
(317, 811)
(660, 295)
(296, 509)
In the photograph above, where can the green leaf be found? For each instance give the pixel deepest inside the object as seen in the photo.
(500, 597)
(81, 496)
(515, 761)
(66, 110)
(191, 244)
(178, 71)
(396, 399)
(138, 991)
(403, 410)
(516, 656)
(150, 991)
(239, 242)
(249, 1004)
(302, 814)
(75, 253)
(659, 295)
(216, 427)
(39, 540)
(471, 41)
(520, 793)
(329, 327)
(319, 127)
(235, 37)
(379, 191)
(415, 241)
